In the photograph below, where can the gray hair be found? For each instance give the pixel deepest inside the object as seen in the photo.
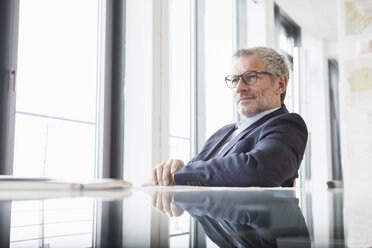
(273, 61)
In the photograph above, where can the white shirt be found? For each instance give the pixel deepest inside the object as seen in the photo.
(242, 125)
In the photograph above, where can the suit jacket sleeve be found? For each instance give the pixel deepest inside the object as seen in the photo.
(275, 157)
(271, 214)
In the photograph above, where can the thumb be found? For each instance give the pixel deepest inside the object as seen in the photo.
(176, 165)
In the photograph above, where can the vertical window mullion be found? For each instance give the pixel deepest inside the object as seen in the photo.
(9, 15)
(198, 68)
(117, 90)
(240, 36)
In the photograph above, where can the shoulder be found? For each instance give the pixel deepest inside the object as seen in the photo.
(288, 116)
(281, 118)
(287, 119)
(288, 127)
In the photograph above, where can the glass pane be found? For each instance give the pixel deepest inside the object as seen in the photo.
(179, 224)
(54, 148)
(25, 244)
(283, 40)
(179, 241)
(179, 68)
(26, 214)
(218, 61)
(70, 151)
(57, 222)
(57, 58)
(23, 233)
(56, 91)
(81, 240)
(210, 243)
(73, 210)
(179, 148)
(30, 146)
(65, 229)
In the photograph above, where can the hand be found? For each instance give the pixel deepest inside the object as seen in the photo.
(163, 201)
(162, 175)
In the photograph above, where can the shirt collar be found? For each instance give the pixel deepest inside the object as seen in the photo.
(247, 121)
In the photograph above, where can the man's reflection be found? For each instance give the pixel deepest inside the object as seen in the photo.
(241, 218)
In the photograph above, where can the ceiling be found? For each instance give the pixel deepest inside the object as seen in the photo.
(318, 17)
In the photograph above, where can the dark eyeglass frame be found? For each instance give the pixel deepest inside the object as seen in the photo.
(229, 79)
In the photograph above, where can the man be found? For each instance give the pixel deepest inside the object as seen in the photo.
(268, 218)
(265, 149)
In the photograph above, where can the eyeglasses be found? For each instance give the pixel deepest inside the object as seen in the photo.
(248, 77)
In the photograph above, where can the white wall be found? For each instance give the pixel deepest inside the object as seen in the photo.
(319, 110)
(356, 132)
(355, 105)
(331, 49)
(319, 134)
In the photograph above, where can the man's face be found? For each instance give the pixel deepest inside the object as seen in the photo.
(259, 97)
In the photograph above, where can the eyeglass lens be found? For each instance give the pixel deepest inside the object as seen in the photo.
(247, 77)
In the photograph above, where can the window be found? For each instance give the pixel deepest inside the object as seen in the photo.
(52, 223)
(287, 37)
(219, 46)
(179, 80)
(56, 116)
(201, 43)
(55, 133)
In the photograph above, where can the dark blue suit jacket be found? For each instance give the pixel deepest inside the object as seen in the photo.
(267, 154)
(248, 219)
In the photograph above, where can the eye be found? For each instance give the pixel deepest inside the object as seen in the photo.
(235, 81)
(250, 77)
(232, 81)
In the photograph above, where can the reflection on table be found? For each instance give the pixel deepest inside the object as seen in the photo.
(220, 217)
(269, 218)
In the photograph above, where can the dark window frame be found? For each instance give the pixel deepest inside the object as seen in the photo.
(334, 110)
(9, 15)
(291, 28)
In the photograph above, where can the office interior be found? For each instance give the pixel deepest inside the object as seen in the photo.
(111, 88)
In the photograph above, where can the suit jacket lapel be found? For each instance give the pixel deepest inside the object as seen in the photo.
(236, 139)
(218, 142)
(280, 111)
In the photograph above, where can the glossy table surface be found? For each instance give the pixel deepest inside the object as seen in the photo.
(186, 217)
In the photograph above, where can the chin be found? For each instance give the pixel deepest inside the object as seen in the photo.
(247, 112)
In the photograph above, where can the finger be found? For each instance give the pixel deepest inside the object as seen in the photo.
(166, 204)
(176, 211)
(176, 165)
(166, 172)
(171, 180)
(154, 176)
(159, 174)
(159, 203)
(154, 197)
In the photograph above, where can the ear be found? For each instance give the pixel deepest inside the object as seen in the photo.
(283, 82)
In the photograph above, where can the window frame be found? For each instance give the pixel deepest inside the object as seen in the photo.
(9, 13)
(334, 109)
(110, 136)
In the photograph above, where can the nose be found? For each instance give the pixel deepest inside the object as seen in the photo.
(240, 86)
